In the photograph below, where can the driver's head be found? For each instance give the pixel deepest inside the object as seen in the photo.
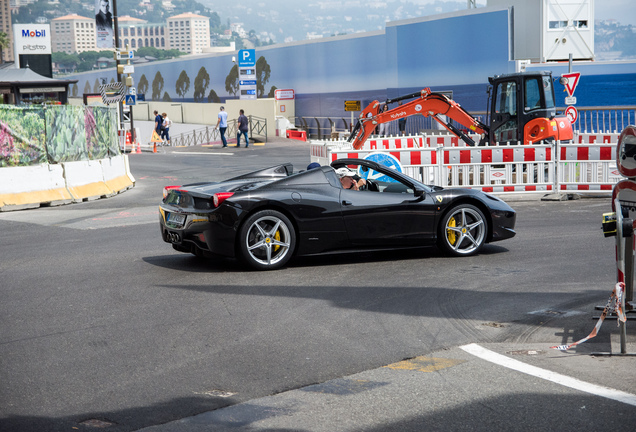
(346, 178)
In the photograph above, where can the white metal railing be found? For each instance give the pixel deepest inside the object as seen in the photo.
(537, 168)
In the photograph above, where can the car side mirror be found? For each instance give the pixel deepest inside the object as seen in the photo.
(419, 192)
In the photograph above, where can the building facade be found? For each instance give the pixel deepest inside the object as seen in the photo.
(189, 33)
(73, 34)
(5, 27)
(137, 33)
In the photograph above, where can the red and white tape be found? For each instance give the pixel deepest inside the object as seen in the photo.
(614, 304)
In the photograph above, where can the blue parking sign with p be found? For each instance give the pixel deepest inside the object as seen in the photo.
(247, 58)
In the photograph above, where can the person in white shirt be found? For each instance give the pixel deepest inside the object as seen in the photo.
(221, 125)
(165, 130)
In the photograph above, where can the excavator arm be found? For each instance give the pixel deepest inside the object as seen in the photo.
(426, 103)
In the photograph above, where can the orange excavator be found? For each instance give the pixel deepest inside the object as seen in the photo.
(522, 110)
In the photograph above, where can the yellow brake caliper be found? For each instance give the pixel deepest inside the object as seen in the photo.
(277, 238)
(452, 237)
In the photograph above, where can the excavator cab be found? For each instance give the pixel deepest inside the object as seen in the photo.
(522, 109)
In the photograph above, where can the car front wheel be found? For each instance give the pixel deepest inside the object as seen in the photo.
(267, 240)
(463, 230)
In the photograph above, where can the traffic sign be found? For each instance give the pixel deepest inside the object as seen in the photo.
(124, 55)
(626, 152)
(383, 159)
(247, 58)
(125, 69)
(571, 81)
(286, 94)
(132, 90)
(131, 99)
(570, 100)
(352, 105)
(572, 114)
(247, 82)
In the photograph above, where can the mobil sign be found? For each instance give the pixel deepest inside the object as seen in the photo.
(32, 38)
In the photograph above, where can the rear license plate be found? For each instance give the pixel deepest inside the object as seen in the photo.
(176, 218)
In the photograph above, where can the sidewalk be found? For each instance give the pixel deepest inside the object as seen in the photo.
(465, 388)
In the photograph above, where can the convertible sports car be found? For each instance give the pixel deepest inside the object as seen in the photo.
(268, 216)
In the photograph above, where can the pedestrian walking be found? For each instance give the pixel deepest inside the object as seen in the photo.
(402, 124)
(242, 129)
(221, 124)
(158, 122)
(383, 127)
(165, 133)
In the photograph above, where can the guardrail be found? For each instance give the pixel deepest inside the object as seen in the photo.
(209, 134)
(586, 167)
(591, 120)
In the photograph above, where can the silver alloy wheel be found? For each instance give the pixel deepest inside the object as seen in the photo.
(268, 240)
(465, 230)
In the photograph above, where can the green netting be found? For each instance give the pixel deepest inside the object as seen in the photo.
(22, 136)
(53, 134)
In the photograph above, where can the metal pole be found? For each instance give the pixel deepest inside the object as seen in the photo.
(132, 121)
(628, 259)
(116, 30)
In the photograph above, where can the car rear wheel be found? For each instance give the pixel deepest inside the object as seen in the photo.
(463, 230)
(267, 240)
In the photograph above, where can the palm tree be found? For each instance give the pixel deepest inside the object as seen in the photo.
(4, 43)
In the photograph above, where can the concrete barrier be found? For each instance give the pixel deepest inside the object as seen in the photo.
(49, 185)
(116, 174)
(85, 180)
(32, 186)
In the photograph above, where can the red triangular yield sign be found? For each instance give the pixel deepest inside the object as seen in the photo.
(573, 81)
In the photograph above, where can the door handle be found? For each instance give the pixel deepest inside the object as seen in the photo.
(347, 203)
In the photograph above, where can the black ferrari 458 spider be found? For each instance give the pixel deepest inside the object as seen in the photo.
(268, 216)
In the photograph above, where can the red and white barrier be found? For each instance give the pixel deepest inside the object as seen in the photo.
(536, 168)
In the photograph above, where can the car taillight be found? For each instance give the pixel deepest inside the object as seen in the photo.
(167, 189)
(220, 197)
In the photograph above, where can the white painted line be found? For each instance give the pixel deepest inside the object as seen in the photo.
(203, 153)
(557, 378)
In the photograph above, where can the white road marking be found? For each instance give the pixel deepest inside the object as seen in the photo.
(204, 153)
(557, 378)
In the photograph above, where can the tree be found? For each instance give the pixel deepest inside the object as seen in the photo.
(201, 83)
(88, 60)
(74, 90)
(65, 61)
(96, 86)
(87, 88)
(157, 86)
(213, 97)
(231, 82)
(166, 97)
(272, 92)
(263, 72)
(142, 87)
(183, 84)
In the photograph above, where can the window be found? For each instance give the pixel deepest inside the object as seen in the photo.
(580, 24)
(548, 92)
(532, 95)
(506, 101)
(558, 24)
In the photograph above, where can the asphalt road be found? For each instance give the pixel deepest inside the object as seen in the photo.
(100, 320)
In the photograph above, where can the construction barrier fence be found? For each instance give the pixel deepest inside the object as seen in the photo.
(587, 165)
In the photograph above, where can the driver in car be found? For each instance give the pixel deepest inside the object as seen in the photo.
(350, 179)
